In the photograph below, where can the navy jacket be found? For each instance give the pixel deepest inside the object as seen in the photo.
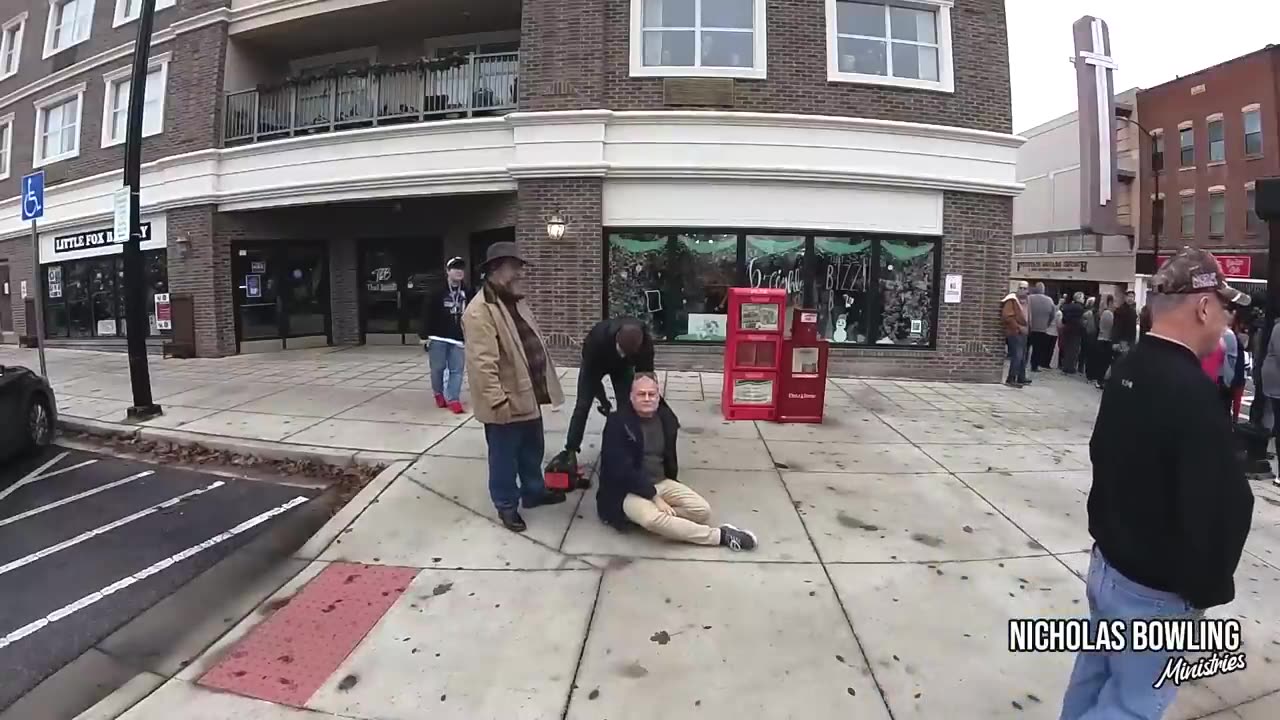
(622, 462)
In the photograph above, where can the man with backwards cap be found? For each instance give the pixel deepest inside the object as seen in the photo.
(1170, 508)
(442, 329)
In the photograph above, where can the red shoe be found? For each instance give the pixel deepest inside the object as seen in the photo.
(456, 407)
(440, 402)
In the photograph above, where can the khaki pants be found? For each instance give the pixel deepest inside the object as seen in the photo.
(687, 525)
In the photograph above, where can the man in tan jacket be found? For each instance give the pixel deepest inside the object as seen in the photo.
(512, 376)
(1013, 316)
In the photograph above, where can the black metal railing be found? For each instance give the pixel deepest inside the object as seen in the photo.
(478, 84)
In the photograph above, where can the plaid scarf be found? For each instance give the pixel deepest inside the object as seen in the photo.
(534, 351)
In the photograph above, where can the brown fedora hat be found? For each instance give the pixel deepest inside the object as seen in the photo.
(502, 251)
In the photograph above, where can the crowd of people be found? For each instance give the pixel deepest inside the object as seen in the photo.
(1076, 335)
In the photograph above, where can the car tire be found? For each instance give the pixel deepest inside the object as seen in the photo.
(39, 423)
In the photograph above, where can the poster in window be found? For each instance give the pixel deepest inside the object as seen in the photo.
(653, 300)
(257, 267)
(804, 361)
(253, 286)
(759, 316)
(706, 326)
(752, 392)
(164, 312)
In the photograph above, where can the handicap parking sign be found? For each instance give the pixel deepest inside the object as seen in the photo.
(33, 196)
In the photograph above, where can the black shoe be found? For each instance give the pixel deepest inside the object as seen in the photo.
(737, 539)
(1025, 382)
(512, 521)
(1013, 384)
(547, 498)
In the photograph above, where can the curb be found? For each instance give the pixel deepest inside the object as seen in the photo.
(243, 446)
(322, 538)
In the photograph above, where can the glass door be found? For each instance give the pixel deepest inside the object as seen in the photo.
(423, 270)
(258, 315)
(381, 291)
(103, 297)
(398, 275)
(306, 290)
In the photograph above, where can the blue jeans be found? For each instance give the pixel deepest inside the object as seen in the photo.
(1017, 358)
(1117, 686)
(515, 449)
(446, 356)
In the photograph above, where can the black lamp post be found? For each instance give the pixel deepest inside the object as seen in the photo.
(134, 281)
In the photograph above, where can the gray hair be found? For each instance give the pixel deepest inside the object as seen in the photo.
(1165, 303)
(1078, 297)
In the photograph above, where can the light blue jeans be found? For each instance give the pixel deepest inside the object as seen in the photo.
(450, 358)
(1117, 686)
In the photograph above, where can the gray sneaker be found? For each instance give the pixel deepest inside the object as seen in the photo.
(737, 539)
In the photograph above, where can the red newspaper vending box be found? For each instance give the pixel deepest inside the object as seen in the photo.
(753, 351)
(802, 387)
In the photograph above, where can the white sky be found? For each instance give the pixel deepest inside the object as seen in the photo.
(1152, 41)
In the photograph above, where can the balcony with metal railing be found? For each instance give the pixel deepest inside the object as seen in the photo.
(457, 86)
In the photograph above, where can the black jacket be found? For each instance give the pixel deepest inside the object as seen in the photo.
(1073, 315)
(439, 316)
(1170, 507)
(622, 462)
(1124, 326)
(600, 353)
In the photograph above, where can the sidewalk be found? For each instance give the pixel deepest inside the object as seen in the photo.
(897, 540)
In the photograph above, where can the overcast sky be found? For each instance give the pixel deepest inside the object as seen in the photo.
(1153, 41)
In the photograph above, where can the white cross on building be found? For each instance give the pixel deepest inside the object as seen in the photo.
(1102, 63)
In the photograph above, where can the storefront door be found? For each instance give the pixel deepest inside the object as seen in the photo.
(398, 275)
(281, 293)
(6, 300)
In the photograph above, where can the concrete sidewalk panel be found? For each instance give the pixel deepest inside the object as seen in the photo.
(1003, 458)
(956, 664)
(370, 435)
(752, 500)
(878, 518)
(469, 645)
(850, 458)
(178, 699)
(850, 427)
(404, 406)
(714, 453)
(254, 426)
(465, 481)
(411, 526)
(348, 513)
(954, 429)
(468, 442)
(227, 395)
(1050, 507)
(705, 419)
(312, 404)
(721, 640)
(177, 416)
(92, 408)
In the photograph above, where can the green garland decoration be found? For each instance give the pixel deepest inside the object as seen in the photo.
(420, 65)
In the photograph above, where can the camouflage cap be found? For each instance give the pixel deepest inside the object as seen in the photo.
(1194, 270)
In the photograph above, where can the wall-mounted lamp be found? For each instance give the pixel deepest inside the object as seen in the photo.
(182, 244)
(556, 225)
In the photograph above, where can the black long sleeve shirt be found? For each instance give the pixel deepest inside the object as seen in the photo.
(1170, 507)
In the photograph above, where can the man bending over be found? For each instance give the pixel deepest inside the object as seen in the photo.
(638, 471)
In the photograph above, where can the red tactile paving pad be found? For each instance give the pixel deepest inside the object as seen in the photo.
(288, 657)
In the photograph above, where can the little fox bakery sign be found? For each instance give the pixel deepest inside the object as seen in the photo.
(95, 239)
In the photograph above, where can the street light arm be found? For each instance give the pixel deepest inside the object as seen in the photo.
(1155, 179)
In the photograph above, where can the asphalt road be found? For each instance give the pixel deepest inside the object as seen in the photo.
(88, 542)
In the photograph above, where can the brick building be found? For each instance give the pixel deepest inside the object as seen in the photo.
(1213, 134)
(312, 165)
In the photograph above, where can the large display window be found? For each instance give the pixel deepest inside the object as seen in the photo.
(870, 290)
(85, 298)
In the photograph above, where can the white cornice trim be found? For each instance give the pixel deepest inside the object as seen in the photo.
(105, 57)
(493, 154)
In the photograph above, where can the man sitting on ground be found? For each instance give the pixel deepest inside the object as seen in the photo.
(638, 471)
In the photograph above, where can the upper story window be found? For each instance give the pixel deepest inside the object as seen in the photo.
(1188, 216)
(890, 43)
(58, 126)
(69, 24)
(1187, 138)
(128, 10)
(1157, 151)
(6, 145)
(11, 46)
(1217, 214)
(115, 109)
(1252, 131)
(1217, 140)
(1252, 223)
(718, 38)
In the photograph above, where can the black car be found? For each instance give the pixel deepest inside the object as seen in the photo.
(28, 412)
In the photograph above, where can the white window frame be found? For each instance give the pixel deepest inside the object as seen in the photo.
(759, 50)
(113, 78)
(6, 166)
(1245, 113)
(42, 106)
(1208, 134)
(122, 19)
(946, 66)
(20, 23)
(49, 49)
(1218, 194)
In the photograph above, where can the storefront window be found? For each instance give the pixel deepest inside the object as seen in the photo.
(869, 290)
(85, 298)
(841, 274)
(906, 292)
(777, 261)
